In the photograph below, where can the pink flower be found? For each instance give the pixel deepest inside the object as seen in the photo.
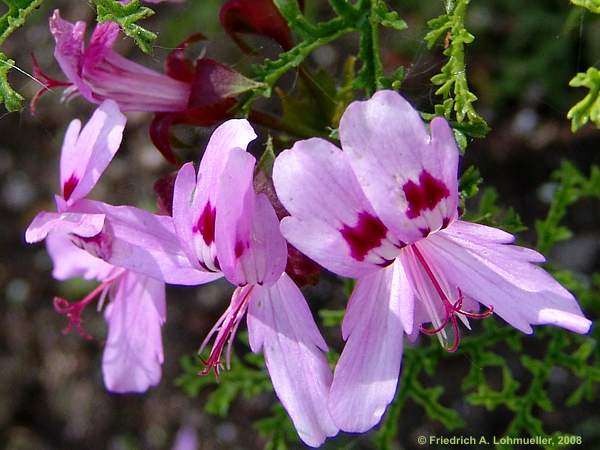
(133, 353)
(384, 210)
(225, 226)
(199, 92)
(98, 73)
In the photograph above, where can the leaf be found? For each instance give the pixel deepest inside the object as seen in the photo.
(277, 428)
(13, 101)
(469, 182)
(17, 14)
(592, 5)
(126, 15)
(457, 99)
(588, 108)
(387, 18)
(243, 378)
(313, 106)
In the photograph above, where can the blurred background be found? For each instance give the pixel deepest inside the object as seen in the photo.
(51, 391)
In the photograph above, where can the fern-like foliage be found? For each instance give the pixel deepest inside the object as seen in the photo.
(457, 98)
(588, 108)
(592, 5)
(12, 100)
(16, 15)
(127, 16)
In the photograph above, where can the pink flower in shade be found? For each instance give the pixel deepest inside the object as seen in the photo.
(384, 210)
(225, 226)
(199, 92)
(133, 353)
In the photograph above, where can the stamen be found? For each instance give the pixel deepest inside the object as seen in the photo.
(451, 310)
(47, 83)
(73, 311)
(226, 328)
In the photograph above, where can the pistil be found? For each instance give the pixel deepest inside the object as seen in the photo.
(73, 311)
(451, 309)
(226, 328)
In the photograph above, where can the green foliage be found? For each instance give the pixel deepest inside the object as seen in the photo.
(13, 101)
(452, 80)
(248, 378)
(127, 16)
(489, 213)
(365, 17)
(277, 428)
(572, 186)
(588, 108)
(592, 5)
(17, 13)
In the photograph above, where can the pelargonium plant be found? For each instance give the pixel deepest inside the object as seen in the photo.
(354, 181)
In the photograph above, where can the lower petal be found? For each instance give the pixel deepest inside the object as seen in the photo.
(367, 372)
(280, 323)
(133, 354)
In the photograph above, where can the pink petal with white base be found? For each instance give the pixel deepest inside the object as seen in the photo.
(408, 173)
(195, 201)
(133, 354)
(195, 229)
(501, 276)
(86, 155)
(281, 325)
(366, 374)
(316, 185)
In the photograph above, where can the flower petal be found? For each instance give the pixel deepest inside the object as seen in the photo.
(501, 276)
(316, 185)
(85, 155)
(188, 227)
(366, 375)
(142, 242)
(82, 224)
(408, 174)
(250, 246)
(69, 261)
(69, 49)
(281, 325)
(133, 354)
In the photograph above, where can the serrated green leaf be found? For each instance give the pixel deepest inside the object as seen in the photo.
(13, 101)
(588, 108)
(127, 15)
(457, 99)
(592, 5)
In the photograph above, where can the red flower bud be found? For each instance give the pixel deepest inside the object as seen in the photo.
(256, 17)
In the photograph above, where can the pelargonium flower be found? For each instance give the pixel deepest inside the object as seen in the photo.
(133, 353)
(384, 210)
(200, 92)
(224, 225)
